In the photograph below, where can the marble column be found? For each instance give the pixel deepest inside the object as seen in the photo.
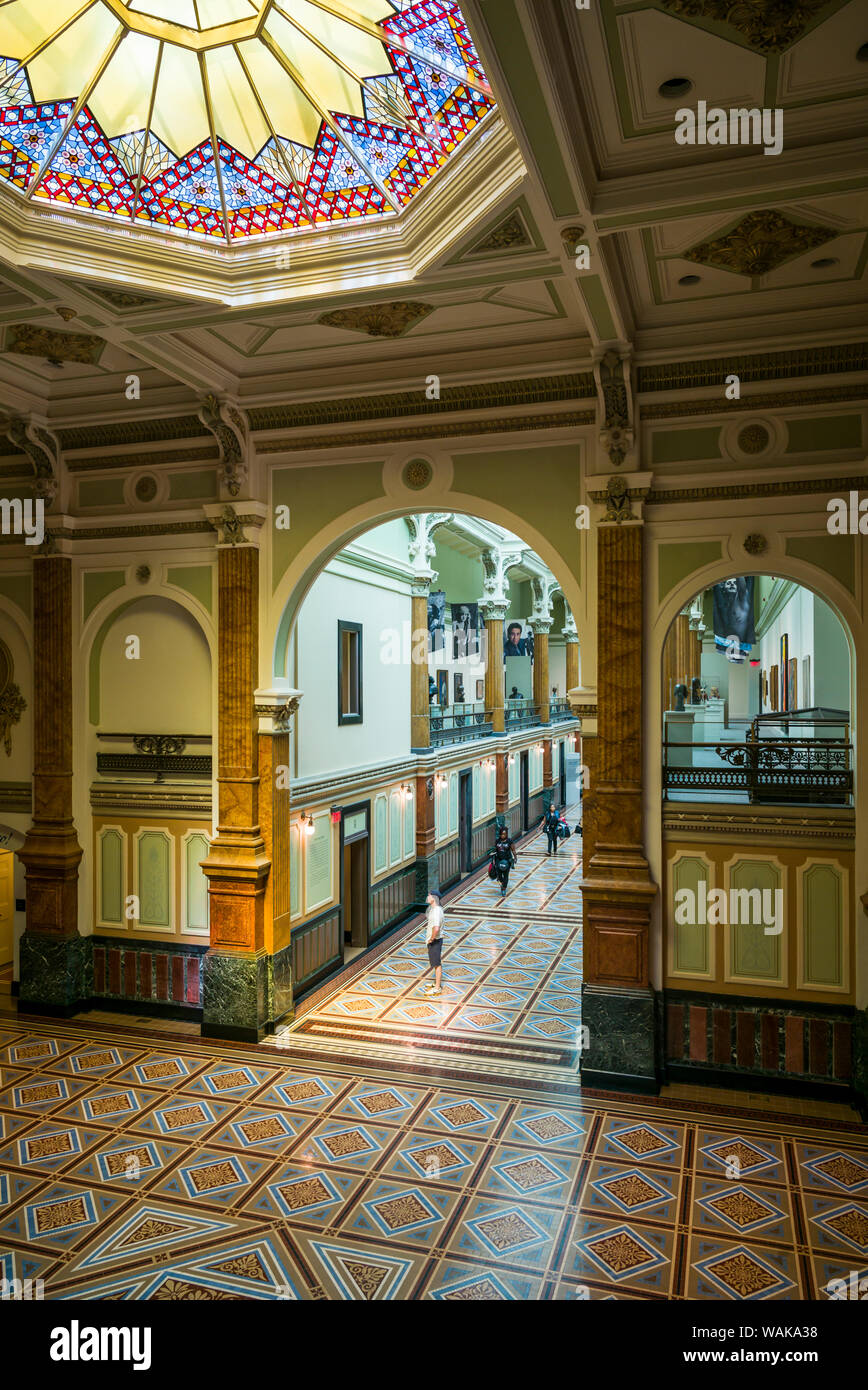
(274, 710)
(541, 688)
(236, 1002)
(494, 615)
(571, 639)
(427, 863)
(501, 794)
(54, 977)
(420, 705)
(547, 765)
(618, 1005)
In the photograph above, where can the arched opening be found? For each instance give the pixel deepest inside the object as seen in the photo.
(433, 654)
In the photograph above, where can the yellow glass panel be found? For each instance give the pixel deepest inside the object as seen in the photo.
(26, 23)
(122, 97)
(290, 112)
(180, 117)
(364, 54)
(68, 63)
(212, 12)
(322, 77)
(236, 114)
(178, 11)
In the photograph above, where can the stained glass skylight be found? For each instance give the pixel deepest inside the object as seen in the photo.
(232, 118)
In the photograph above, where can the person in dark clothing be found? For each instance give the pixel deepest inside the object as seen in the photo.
(551, 822)
(503, 856)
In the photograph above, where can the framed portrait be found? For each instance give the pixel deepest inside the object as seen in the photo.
(443, 689)
(465, 630)
(773, 687)
(480, 690)
(793, 683)
(785, 656)
(458, 693)
(436, 620)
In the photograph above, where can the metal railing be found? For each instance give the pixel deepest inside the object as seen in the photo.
(459, 723)
(768, 768)
(521, 714)
(559, 709)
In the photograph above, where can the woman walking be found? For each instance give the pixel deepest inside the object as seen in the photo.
(503, 857)
(551, 825)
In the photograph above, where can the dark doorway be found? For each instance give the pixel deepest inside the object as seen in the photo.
(562, 777)
(525, 783)
(465, 818)
(355, 875)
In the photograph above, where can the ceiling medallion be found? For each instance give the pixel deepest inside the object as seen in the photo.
(509, 235)
(280, 116)
(769, 27)
(379, 320)
(417, 474)
(753, 439)
(759, 243)
(146, 488)
(755, 544)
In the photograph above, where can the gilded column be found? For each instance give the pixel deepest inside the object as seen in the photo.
(494, 614)
(427, 865)
(420, 706)
(541, 688)
(274, 710)
(52, 952)
(501, 802)
(617, 889)
(236, 978)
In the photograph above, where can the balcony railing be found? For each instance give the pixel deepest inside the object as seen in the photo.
(459, 723)
(559, 709)
(521, 714)
(765, 767)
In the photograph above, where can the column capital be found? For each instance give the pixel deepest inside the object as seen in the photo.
(622, 496)
(420, 584)
(540, 627)
(33, 437)
(492, 611)
(497, 561)
(236, 528)
(422, 526)
(275, 709)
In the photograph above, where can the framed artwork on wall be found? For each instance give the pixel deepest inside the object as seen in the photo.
(773, 687)
(480, 690)
(443, 689)
(785, 656)
(806, 682)
(793, 683)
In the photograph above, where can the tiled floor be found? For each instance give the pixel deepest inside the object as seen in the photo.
(511, 971)
(157, 1168)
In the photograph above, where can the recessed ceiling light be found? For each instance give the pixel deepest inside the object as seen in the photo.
(862, 54)
(675, 87)
(690, 279)
(824, 262)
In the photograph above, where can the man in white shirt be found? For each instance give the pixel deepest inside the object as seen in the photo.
(434, 941)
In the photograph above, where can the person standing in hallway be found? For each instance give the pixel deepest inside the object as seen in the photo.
(551, 824)
(504, 856)
(434, 941)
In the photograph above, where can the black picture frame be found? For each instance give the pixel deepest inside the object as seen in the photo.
(355, 718)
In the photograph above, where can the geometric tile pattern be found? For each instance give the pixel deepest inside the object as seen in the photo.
(237, 1172)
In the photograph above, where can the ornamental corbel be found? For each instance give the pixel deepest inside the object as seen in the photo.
(229, 427)
(42, 449)
(614, 389)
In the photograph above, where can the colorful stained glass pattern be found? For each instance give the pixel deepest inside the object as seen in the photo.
(428, 95)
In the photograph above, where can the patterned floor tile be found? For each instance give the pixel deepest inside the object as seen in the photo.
(621, 1253)
(746, 1272)
(512, 1232)
(454, 1282)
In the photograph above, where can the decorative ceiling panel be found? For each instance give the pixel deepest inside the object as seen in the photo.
(230, 118)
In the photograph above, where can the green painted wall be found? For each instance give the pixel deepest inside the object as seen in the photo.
(194, 579)
(98, 584)
(677, 559)
(834, 554)
(315, 496)
(828, 432)
(101, 492)
(18, 588)
(680, 446)
(199, 485)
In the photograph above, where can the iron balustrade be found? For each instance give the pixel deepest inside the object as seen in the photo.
(459, 723)
(770, 769)
(521, 714)
(559, 708)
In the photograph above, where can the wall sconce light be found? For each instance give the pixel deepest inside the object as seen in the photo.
(407, 792)
(307, 824)
(441, 780)
(511, 759)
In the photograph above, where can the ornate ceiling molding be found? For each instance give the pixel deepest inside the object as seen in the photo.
(673, 410)
(612, 374)
(763, 366)
(769, 28)
(53, 344)
(228, 426)
(390, 320)
(743, 491)
(759, 243)
(42, 449)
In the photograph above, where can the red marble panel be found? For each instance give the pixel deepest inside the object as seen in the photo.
(130, 958)
(114, 970)
(745, 1027)
(818, 1043)
(675, 1031)
(192, 980)
(161, 969)
(99, 969)
(769, 1042)
(794, 1033)
(145, 974)
(698, 1034)
(178, 979)
(842, 1044)
(721, 1024)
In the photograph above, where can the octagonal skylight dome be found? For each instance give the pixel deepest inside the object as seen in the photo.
(233, 118)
